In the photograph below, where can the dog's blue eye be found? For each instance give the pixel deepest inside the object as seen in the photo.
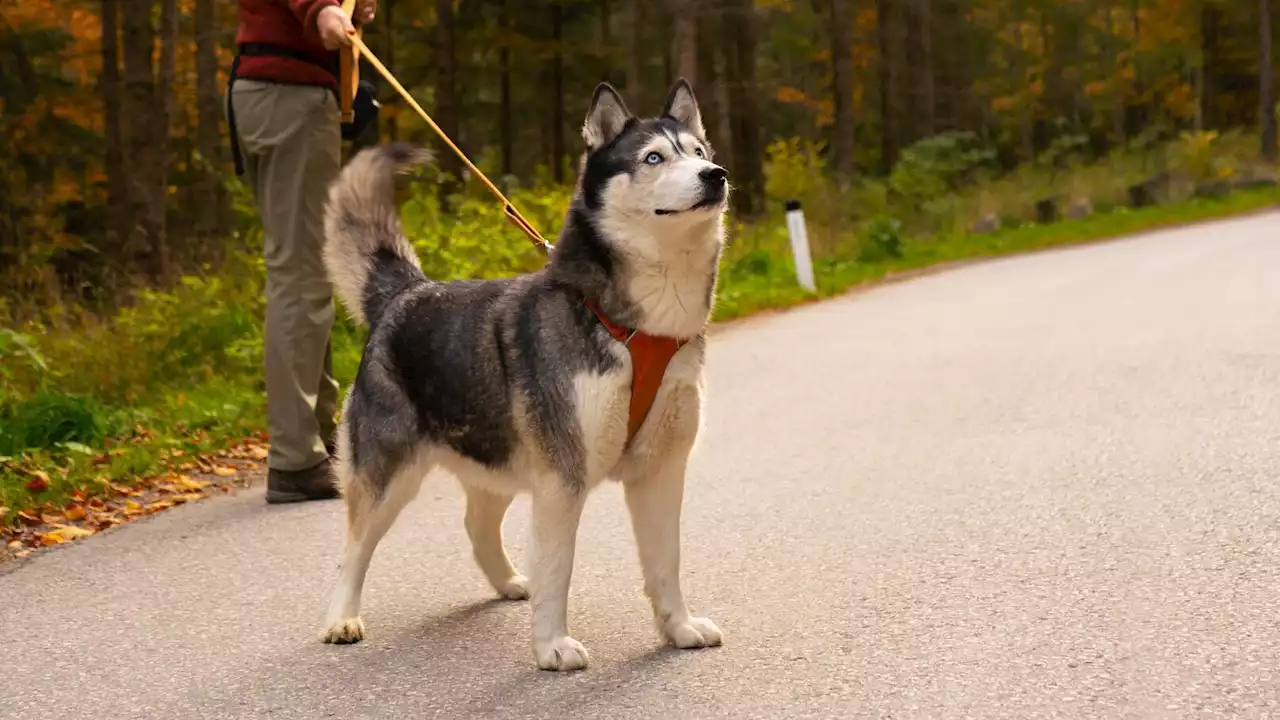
(653, 158)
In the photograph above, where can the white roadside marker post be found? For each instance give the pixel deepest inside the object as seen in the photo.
(800, 246)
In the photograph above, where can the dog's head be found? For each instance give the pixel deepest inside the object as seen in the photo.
(651, 182)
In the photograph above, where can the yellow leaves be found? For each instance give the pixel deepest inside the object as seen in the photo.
(1181, 100)
(224, 471)
(791, 95)
(1004, 103)
(64, 533)
(75, 513)
(187, 483)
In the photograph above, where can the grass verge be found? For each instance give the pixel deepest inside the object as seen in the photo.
(98, 442)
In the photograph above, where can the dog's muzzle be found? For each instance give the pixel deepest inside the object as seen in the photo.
(715, 182)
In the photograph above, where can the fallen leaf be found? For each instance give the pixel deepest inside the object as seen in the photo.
(257, 452)
(131, 505)
(39, 481)
(159, 505)
(28, 518)
(63, 534)
(48, 519)
(75, 512)
(187, 497)
(15, 544)
(224, 471)
(190, 484)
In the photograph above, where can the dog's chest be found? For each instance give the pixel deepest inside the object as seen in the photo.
(602, 402)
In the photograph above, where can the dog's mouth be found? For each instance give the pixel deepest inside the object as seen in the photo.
(709, 202)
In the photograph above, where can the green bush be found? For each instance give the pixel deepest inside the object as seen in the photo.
(881, 241)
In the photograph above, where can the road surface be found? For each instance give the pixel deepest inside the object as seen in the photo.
(1046, 486)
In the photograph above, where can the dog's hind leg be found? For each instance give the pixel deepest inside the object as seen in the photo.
(654, 500)
(370, 512)
(485, 511)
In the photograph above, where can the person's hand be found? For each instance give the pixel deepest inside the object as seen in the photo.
(335, 27)
(365, 10)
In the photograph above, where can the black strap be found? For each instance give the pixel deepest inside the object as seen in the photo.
(236, 157)
(255, 49)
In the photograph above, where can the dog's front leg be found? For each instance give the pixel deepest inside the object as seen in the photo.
(557, 508)
(655, 499)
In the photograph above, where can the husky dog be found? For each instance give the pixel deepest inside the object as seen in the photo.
(517, 385)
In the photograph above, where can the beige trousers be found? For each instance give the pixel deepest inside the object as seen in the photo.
(292, 146)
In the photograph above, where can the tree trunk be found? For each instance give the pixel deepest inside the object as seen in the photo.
(138, 125)
(117, 193)
(164, 117)
(887, 68)
(709, 85)
(446, 110)
(506, 140)
(842, 145)
(684, 38)
(1118, 112)
(212, 198)
(557, 92)
(952, 55)
(635, 54)
(1266, 82)
(1209, 16)
(609, 58)
(747, 171)
(927, 105)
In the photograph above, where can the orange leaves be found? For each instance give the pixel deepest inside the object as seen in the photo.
(39, 481)
(110, 503)
(792, 95)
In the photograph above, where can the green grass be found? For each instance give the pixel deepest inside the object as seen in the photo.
(181, 371)
(768, 280)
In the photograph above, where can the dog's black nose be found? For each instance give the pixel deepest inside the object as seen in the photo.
(713, 175)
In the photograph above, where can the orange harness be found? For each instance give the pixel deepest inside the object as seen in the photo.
(650, 356)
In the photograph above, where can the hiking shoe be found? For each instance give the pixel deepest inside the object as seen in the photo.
(289, 486)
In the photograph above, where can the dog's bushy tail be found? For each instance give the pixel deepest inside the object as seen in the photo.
(366, 254)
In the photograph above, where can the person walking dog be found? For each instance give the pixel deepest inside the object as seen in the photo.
(286, 139)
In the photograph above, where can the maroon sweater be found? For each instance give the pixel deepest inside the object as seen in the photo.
(291, 23)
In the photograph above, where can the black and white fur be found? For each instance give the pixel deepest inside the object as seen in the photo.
(514, 385)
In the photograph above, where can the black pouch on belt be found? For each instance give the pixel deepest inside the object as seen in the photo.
(364, 106)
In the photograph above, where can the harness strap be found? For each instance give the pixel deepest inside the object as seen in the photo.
(650, 356)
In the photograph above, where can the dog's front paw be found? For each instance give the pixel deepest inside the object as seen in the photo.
(694, 632)
(562, 653)
(344, 631)
(517, 588)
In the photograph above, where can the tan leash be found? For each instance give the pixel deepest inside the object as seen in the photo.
(350, 79)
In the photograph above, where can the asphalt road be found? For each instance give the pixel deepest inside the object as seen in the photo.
(1046, 486)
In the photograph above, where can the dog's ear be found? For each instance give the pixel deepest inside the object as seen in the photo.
(606, 118)
(682, 107)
